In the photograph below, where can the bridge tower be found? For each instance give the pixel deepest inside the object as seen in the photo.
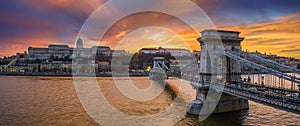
(210, 41)
(159, 62)
(158, 71)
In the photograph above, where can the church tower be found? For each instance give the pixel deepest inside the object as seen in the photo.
(79, 43)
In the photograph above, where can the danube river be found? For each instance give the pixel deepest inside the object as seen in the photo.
(54, 101)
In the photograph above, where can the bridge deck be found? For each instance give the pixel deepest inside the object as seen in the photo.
(287, 103)
(271, 88)
(271, 96)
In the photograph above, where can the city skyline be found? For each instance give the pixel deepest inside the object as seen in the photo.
(157, 48)
(268, 26)
(150, 62)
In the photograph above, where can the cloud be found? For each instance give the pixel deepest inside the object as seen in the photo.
(157, 36)
(23, 25)
(145, 19)
(290, 50)
(281, 36)
(73, 7)
(21, 44)
(121, 34)
(267, 25)
(151, 36)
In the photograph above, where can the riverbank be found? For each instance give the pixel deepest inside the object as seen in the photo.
(74, 74)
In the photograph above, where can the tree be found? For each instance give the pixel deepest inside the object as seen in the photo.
(51, 57)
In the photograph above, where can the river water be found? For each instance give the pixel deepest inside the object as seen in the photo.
(54, 101)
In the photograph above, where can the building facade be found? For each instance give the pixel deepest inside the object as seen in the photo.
(176, 52)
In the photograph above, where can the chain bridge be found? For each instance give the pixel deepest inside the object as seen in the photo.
(240, 75)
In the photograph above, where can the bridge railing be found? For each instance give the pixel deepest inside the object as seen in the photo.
(266, 61)
(257, 66)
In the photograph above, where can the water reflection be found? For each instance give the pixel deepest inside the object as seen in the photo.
(53, 101)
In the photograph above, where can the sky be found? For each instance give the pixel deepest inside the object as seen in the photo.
(270, 26)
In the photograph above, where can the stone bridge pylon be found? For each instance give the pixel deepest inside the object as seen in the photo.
(215, 66)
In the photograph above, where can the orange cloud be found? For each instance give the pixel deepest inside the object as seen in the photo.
(21, 44)
(184, 33)
(121, 34)
(281, 36)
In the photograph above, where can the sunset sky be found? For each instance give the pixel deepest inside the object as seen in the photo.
(271, 26)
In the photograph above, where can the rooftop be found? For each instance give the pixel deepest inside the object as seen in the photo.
(220, 31)
(158, 58)
(161, 48)
(148, 49)
(106, 47)
(58, 46)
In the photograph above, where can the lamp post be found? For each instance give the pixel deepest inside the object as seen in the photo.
(262, 80)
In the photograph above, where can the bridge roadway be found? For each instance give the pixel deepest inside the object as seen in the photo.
(271, 96)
